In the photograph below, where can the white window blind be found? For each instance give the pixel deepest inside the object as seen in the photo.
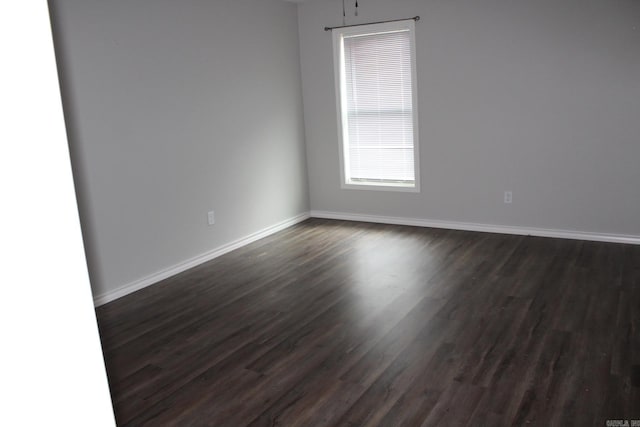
(377, 111)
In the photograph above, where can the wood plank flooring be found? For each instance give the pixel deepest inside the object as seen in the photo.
(353, 324)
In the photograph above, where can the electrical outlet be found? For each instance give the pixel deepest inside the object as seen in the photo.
(211, 216)
(508, 197)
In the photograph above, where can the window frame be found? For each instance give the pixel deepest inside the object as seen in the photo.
(338, 35)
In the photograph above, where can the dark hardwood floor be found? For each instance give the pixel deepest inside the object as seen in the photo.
(352, 324)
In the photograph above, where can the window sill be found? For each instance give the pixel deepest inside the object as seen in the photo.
(381, 187)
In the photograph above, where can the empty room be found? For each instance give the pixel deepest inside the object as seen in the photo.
(326, 213)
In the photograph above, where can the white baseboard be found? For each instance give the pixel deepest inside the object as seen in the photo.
(452, 225)
(99, 300)
(488, 228)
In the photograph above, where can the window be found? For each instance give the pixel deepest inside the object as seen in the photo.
(377, 114)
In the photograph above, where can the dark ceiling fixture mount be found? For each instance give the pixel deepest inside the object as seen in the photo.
(344, 19)
(344, 14)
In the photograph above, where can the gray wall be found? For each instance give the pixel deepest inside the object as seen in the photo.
(541, 97)
(175, 108)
